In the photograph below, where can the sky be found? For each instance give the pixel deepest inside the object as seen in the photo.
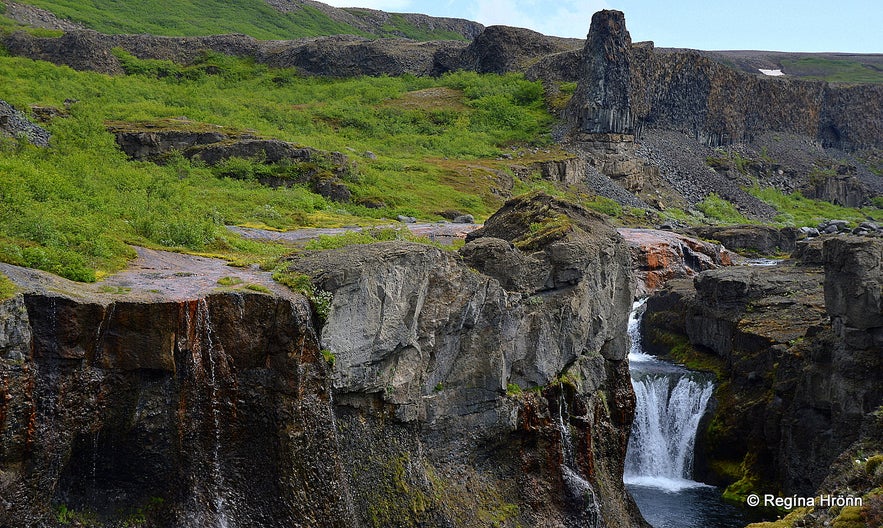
(773, 25)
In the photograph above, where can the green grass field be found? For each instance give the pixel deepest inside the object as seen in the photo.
(833, 70)
(74, 207)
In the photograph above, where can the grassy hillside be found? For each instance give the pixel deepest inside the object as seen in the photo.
(212, 17)
(73, 207)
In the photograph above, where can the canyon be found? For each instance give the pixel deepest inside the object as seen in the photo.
(406, 384)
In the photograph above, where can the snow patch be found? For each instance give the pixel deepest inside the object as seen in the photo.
(772, 73)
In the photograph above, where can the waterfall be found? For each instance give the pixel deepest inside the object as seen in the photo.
(206, 357)
(671, 401)
(577, 487)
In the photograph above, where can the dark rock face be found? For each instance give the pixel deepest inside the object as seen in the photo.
(854, 290)
(765, 240)
(503, 49)
(625, 88)
(466, 360)
(193, 412)
(797, 387)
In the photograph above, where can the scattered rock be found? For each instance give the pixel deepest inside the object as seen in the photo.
(464, 219)
(406, 219)
(15, 124)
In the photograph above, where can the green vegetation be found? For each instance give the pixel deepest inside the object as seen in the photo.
(68, 517)
(303, 284)
(7, 287)
(212, 17)
(797, 210)
(328, 356)
(195, 17)
(229, 281)
(260, 288)
(74, 208)
(721, 211)
(833, 70)
(371, 236)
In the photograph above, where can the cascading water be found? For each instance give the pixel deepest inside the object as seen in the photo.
(670, 402)
(576, 484)
(214, 488)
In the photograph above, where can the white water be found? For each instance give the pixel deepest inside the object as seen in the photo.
(577, 485)
(219, 499)
(670, 403)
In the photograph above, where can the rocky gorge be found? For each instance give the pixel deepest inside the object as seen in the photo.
(405, 384)
(488, 387)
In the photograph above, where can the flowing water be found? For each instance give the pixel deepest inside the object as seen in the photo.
(671, 401)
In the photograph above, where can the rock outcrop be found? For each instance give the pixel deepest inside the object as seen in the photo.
(289, 164)
(758, 239)
(796, 349)
(477, 359)
(207, 411)
(659, 256)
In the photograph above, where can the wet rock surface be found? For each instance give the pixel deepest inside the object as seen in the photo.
(197, 410)
(659, 256)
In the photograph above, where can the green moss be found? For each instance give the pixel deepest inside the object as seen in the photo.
(260, 288)
(395, 500)
(7, 287)
(849, 517)
(681, 351)
(229, 281)
(544, 231)
(512, 389)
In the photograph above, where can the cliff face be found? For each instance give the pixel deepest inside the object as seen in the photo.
(625, 88)
(796, 349)
(192, 413)
(488, 387)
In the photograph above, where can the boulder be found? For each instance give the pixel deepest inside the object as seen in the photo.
(758, 239)
(661, 255)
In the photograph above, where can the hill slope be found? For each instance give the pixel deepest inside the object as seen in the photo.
(268, 20)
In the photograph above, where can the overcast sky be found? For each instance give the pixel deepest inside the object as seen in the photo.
(774, 25)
